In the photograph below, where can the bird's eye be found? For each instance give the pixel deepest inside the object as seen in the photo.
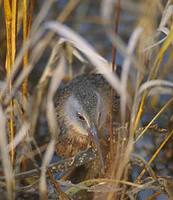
(80, 117)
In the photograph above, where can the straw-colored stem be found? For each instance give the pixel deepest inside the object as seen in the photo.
(153, 74)
(155, 117)
(155, 155)
(10, 21)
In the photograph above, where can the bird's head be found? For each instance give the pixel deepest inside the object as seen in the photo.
(86, 112)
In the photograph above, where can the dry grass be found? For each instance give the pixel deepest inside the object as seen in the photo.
(32, 76)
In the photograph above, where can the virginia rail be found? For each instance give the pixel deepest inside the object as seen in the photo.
(83, 107)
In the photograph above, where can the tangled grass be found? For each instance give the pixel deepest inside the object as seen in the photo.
(40, 50)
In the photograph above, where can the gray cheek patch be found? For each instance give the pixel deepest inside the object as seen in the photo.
(71, 107)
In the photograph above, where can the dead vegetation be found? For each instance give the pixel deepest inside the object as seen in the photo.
(45, 44)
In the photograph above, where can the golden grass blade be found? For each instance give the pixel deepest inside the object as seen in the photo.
(36, 54)
(155, 155)
(11, 49)
(154, 118)
(160, 54)
(13, 29)
(143, 87)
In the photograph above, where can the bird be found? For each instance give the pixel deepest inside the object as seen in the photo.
(83, 108)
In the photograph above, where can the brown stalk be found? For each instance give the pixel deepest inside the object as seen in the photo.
(114, 50)
(117, 19)
(62, 195)
(27, 21)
